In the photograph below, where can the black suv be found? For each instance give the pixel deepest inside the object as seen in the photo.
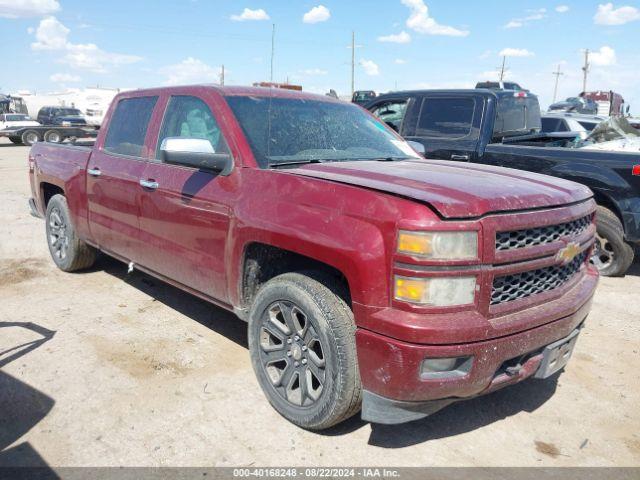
(62, 116)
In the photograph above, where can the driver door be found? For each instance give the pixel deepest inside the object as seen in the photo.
(185, 212)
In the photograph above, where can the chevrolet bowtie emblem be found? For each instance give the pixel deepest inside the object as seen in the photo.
(568, 253)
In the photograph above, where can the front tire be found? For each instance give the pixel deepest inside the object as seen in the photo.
(303, 351)
(68, 252)
(612, 256)
(16, 140)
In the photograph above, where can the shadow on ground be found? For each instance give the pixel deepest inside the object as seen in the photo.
(453, 420)
(21, 407)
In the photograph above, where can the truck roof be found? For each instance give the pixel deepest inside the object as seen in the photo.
(476, 91)
(241, 91)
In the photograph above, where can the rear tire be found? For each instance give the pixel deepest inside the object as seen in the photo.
(68, 252)
(16, 140)
(53, 136)
(303, 350)
(29, 137)
(612, 256)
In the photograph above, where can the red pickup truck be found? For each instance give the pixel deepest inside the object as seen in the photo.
(369, 277)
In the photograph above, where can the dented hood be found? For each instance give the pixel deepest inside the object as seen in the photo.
(454, 189)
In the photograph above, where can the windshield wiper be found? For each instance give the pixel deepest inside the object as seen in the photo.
(296, 162)
(392, 159)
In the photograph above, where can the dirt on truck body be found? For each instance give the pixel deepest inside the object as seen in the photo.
(371, 280)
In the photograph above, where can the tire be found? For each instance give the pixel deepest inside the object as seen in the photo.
(53, 136)
(323, 333)
(68, 252)
(612, 256)
(29, 137)
(16, 140)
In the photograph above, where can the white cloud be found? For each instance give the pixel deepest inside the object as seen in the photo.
(190, 70)
(399, 61)
(317, 14)
(50, 35)
(27, 8)
(64, 78)
(608, 15)
(370, 67)
(420, 21)
(603, 57)
(53, 35)
(533, 15)
(402, 37)
(314, 71)
(248, 14)
(485, 54)
(562, 8)
(515, 52)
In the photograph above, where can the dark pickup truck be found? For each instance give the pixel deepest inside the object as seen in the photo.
(367, 275)
(503, 128)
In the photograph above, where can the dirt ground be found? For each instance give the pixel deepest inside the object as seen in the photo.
(103, 368)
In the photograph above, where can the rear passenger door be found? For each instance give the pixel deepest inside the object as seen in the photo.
(185, 211)
(114, 171)
(448, 125)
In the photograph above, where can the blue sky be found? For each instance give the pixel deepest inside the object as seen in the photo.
(50, 45)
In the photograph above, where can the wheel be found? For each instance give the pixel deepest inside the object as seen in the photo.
(303, 351)
(30, 137)
(52, 136)
(16, 140)
(69, 253)
(612, 256)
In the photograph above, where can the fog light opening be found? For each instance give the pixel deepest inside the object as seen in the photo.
(449, 367)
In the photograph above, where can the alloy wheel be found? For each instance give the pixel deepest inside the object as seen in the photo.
(603, 255)
(292, 354)
(58, 236)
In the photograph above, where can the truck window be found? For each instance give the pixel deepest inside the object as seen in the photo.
(128, 126)
(190, 117)
(448, 117)
(391, 113)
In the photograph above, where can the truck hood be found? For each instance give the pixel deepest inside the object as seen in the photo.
(453, 189)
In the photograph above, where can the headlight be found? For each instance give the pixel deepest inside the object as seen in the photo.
(439, 245)
(438, 291)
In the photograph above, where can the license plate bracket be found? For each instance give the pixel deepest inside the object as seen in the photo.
(556, 355)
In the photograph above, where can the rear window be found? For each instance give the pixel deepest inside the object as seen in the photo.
(446, 117)
(128, 126)
(517, 115)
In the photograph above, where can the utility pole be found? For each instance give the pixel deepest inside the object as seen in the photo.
(353, 62)
(273, 43)
(222, 76)
(585, 70)
(555, 88)
(504, 58)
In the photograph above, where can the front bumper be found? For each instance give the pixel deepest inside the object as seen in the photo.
(395, 392)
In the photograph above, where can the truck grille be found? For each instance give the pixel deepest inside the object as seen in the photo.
(524, 284)
(540, 235)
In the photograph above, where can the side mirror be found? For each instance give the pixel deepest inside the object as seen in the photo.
(195, 152)
(417, 146)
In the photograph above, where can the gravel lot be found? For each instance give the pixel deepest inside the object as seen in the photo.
(103, 368)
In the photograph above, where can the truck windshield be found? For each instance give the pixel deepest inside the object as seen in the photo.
(299, 130)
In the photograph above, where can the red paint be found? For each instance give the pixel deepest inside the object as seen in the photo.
(193, 232)
(636, 170)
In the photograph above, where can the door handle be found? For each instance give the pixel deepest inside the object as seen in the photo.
(460, 157)
(94, 172)
(150, 184)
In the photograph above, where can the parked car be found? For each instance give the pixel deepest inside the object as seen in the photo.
(575, 104)
(500, 86)
(361, 97)
(502, 128)
(367, 275)
(63, 116)
(581, 125)
(11, 121)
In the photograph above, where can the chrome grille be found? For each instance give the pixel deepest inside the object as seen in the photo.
(540, 235)
(524, 284)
